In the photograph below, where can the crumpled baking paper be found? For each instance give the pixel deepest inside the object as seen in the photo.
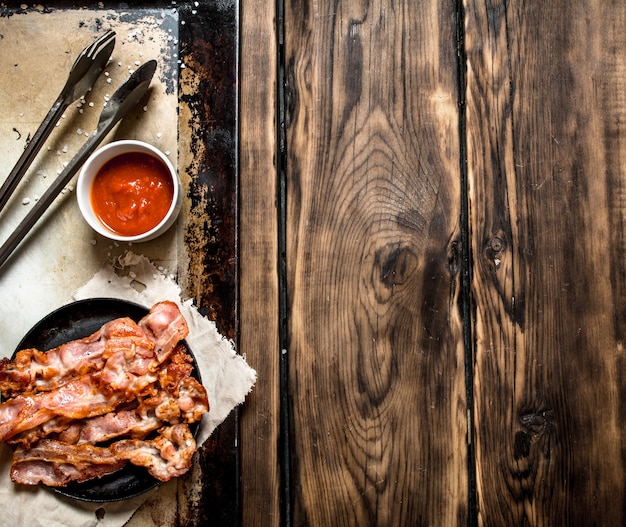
(225, 375)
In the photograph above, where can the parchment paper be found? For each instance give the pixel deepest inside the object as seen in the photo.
(36, 54)
(225, 375)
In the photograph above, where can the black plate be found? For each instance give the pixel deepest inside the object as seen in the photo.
(76, 321)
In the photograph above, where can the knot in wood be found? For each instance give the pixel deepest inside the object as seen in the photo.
(496, 245)
(396, 266)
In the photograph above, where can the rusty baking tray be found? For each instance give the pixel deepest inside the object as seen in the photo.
(201, 72)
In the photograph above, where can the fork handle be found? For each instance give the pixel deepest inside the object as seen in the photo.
(31, 150)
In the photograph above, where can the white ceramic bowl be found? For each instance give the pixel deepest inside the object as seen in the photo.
(91, 168)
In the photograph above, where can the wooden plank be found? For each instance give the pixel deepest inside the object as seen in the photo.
(258, 238)
(376, 363)
(546, 146)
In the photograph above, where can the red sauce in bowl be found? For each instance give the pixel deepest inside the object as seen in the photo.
(132, 193)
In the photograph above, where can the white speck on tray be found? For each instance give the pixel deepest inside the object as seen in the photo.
(159, 134)
(79, 131)
(25, 201)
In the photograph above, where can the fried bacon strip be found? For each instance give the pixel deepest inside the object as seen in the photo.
(121, 384)
(166, 326)
(55, 463)
(178, 398)
(33, 371)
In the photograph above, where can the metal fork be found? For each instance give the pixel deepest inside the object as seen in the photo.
(85, 70)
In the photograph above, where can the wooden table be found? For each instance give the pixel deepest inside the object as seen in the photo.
(432, 279)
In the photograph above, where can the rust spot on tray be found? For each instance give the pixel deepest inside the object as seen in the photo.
(208, 102)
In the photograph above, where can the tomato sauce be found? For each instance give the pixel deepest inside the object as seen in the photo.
(132, 193)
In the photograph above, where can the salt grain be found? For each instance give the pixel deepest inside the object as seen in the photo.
(25, 201)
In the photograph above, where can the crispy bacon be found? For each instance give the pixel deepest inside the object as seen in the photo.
(55, 463)
(166, 326)
(181, 398)
(32, 370)
(76, 399)
(120, 384)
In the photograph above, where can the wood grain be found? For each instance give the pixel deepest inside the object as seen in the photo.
(546, 144)
(258, 273)
(373, 255)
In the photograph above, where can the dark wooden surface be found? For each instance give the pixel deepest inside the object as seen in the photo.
(446, 182)
(546, 141)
